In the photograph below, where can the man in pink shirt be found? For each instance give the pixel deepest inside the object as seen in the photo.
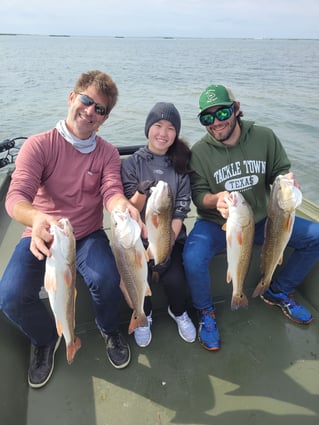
(71, 172)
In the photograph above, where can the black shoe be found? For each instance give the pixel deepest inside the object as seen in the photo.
(117, 350)
(42, 364)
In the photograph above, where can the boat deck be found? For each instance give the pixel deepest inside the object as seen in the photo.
(267, 371)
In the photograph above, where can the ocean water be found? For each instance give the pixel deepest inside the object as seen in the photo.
(276, 81)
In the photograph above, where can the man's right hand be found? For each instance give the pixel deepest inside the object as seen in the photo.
(221, 205)
(41, 237)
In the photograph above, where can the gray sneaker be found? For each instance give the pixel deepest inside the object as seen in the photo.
(186, 328)
(143, 334)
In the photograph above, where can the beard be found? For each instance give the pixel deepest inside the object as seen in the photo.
(222, 138)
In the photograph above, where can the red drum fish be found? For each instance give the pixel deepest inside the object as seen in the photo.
(240, 230)
(59, 282)
(131, 260)
(158, 220)
(284, 199)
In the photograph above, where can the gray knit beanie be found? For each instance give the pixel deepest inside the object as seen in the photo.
(163, 111)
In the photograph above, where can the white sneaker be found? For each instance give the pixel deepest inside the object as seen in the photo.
(186, 328)
(143, 334)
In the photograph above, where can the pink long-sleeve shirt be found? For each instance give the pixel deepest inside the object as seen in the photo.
(63, 182)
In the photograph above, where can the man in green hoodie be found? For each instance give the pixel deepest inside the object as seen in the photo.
(237, 155)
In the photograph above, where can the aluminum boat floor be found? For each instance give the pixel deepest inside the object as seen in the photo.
(267, 372)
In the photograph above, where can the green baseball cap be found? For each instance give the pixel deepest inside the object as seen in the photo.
(215, 95)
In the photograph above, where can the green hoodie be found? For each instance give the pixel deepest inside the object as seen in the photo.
(249, 167)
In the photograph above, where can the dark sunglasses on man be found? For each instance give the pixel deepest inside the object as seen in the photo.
(222, 114)
(87, 101)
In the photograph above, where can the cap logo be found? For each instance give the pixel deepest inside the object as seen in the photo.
(211, 96)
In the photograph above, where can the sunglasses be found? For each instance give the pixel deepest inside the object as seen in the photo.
(221, 114)
(87, 101)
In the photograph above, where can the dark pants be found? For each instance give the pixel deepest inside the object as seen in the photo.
(24, 277)
(174, 283)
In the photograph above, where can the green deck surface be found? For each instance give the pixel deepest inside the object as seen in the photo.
(266, 373)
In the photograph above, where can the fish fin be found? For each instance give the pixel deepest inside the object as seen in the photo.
(72, 349)
(68, 277)
(261, 288)
(59, 327)
(239, 300)
(136, 322)
(75, 295)
(229, 240)
(228, 277)
(139, 259)
(126, 294)
(149, 254)
(290, 223)
(50, 282)
(239, 237)
(280, 260)
(224, 227)
(155, 220)
(147, 258)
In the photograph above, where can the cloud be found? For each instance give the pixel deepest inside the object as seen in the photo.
(193, 18)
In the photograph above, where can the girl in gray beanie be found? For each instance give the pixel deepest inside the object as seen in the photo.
(163, 111)
(166, 157)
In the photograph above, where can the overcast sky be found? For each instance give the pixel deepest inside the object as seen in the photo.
(176, 18)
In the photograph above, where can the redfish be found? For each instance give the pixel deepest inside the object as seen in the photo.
(131, 260)
(240, 230)
(158, 220)
(284, 199)
(59, 282)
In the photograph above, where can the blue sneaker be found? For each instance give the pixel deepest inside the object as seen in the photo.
(208, 334)
(289, 306)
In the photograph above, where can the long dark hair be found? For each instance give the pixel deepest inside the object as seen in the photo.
(180, 155)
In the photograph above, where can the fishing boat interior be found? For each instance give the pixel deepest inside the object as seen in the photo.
(266, 372)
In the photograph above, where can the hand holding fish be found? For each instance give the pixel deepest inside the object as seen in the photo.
(144, 187)
(160, 267)
(41, 238)
(221, 205)
(291, 176)
(120, 203)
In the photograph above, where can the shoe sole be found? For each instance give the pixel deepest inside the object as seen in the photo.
(173, 317)
(51, 371)
(299, 322)
(123, 365)
(208, 348)
(144, 345)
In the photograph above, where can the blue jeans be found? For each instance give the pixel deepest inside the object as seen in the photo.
(207, 239)
(24, 276)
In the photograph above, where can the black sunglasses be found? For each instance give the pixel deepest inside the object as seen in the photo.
(221, 114)
(87, 101)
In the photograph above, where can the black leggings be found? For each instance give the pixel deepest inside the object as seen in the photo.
(174, 283)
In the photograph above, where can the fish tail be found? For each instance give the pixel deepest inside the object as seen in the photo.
(72, 349)
(136, 322)
(59, 327)
(261, 288)
(239, 300)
